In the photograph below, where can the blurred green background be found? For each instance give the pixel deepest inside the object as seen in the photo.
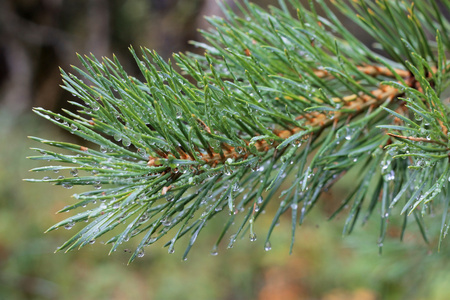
(37, 36)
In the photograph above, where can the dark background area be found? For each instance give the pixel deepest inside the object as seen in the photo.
(39, 36)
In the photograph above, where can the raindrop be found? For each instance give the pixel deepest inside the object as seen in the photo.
(170, 197)
(267, 246)
(117, 137)
(67, 185)
(74, 172)
(141, 253)
(214, 251)
(240, 150)
(126, 142)
(232, 241)
(69, 225)
(73, 127)
(390, 176)
(418, 117)
(166, 222)
(252, 237)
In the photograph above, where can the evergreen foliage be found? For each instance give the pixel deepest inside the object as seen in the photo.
(277, 95)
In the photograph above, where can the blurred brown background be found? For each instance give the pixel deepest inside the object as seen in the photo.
(37, 37)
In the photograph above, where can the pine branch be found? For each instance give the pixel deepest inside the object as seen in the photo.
(273, 97)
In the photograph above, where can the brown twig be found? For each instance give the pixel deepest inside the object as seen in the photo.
(357, 103)
(313, 119)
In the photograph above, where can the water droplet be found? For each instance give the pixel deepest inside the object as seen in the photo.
(214, 251)
(166, 222)
(252, 237)
(117, 137)
(170, 197)
(126, 142)
(69, 225)
(418, 117)
(267, 246)
(67, 185)
(92, 242)
(141, 253)
(232, 241)
(390, 176)
(74, 172)
(73, 127)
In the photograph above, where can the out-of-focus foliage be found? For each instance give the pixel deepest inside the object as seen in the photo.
(37, 37)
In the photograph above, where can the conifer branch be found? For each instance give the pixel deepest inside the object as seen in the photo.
(274, 96)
